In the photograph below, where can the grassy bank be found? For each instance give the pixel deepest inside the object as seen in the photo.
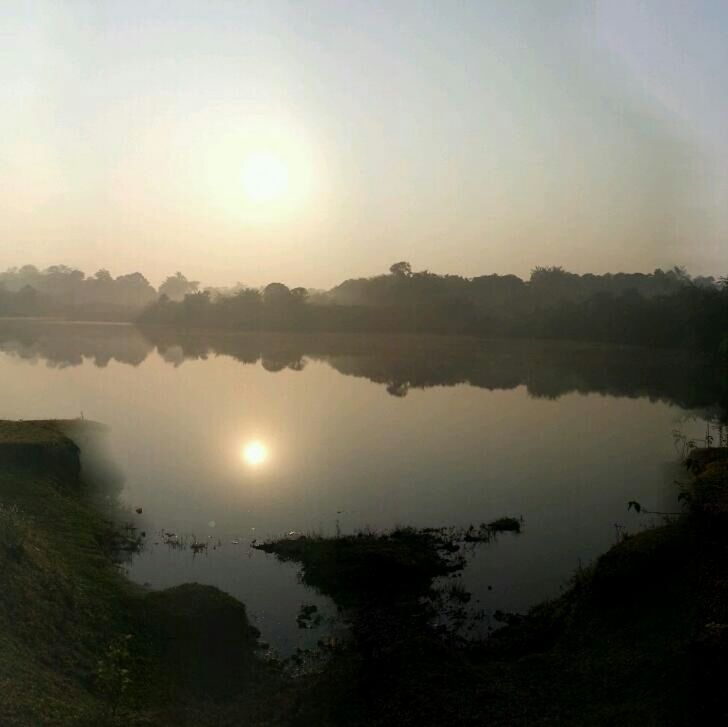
(79, 643)
(639, 638)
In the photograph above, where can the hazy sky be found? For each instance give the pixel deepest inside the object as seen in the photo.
(466, 136)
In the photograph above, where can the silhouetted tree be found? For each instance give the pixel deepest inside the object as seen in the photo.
(665, 309)
(134, 290)
(176, 286)
(67, 291)
(276, 293)
(401, 269)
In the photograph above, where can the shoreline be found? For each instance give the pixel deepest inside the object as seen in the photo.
(313, 334)
(638, 637)
(82, 644)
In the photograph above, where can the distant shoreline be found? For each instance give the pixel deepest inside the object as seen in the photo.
(224, 332)
(60, 319)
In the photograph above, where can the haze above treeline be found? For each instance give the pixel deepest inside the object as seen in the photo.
(465, 137)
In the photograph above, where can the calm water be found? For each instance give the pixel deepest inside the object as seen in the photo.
(364, 431)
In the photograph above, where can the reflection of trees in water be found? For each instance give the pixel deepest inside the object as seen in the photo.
(174, 355)
(68, 344)
(548, 369)
(279, 363)
(398, 388)
(400, 363)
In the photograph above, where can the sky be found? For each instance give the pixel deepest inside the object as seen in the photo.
(310, 141)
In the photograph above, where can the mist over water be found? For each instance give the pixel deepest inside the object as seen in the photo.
(229, 438)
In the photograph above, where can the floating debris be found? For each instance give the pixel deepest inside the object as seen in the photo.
(506, 524)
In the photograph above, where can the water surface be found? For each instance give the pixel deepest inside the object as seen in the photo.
(364, 431)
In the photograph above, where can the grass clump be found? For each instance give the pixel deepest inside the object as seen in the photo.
(113, 673)
(14, 531)
(369, 567)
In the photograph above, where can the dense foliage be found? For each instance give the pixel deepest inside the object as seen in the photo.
(663, 308)
(60, 290)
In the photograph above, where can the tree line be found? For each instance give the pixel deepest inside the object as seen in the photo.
(64, 291)
(665, 308)
(661, 309)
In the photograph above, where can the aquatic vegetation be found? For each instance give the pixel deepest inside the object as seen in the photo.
(393, 583)
(368, 567)
(506, 525)
(190, 542)
(309, 616)
(196, 547)
(124, 541)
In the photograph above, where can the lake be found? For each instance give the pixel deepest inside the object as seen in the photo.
(227, 438)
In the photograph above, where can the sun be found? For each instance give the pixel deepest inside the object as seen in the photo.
(255, 453)
(265, 176)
